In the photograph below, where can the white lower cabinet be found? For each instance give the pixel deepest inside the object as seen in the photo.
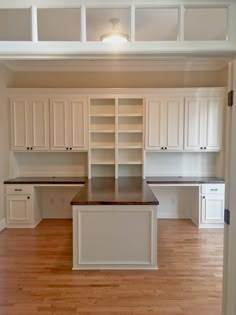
(212, 205)
(21, 208)
(212, 209)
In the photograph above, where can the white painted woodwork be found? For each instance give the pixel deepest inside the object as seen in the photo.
(116, 127)
(78, 124)
(212, 205)
(19, 123)
(102, 238)
(68, 124)
(202, 203)
(30, 123)
(19, 210)
(164, 124)
(212, 209)
(153, 124)
(214, 44)
(213, 137)
(203, 123)
(22, 206)
(229, 301)
(40, 124)
(194, 123)
(59, 110)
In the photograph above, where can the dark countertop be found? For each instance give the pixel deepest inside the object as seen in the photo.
(122, 191)
(110, 191)
(47, 180)
(183, 180)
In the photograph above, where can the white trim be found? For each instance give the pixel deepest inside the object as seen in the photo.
(162, 64)
(3, 224)
(113, 92)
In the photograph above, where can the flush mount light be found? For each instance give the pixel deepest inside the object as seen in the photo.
(115, 36)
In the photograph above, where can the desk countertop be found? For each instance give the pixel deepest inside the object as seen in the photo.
(110, 191)
(47, 180)
(184, 180)
(122, 191)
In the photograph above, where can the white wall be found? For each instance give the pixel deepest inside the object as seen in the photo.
(5, 77)
(184, 164)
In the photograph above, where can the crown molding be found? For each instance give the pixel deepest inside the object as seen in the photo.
(141, 65)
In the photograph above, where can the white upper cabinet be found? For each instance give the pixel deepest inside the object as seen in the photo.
(203, 123)
(164, 125)
(30, 123)
(68, 124)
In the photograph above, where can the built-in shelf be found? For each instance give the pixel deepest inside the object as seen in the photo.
(130, 131)
(102, 115)
(116, 136)
(102, 131)
(103, 162)
(131, 115)
(130, 147)
(130, 162)
(102, 147)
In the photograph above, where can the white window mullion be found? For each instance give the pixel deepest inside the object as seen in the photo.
(83, 23)
(34, 24)
(181, 23)
(132, 23)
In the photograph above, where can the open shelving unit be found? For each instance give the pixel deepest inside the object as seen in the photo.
(116, 128)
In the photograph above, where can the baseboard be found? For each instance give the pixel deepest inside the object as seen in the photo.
(3, 224)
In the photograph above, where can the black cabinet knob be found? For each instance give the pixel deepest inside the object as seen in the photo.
(70, 148)
(67, 148)
(28, 197)
(31, 148)
(204, 148)
(201, 148)
(165, 148)
(203, 197)
(27, 148)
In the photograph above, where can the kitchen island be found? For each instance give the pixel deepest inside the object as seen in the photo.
(114, 225)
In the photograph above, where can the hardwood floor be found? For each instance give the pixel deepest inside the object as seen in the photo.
(36, 275)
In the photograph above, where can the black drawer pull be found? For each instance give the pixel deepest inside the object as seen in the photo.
(18, 189)
(214, 189)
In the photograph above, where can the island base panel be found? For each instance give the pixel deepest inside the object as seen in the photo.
(114, 237)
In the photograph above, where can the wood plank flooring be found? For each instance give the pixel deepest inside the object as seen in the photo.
(36, 275)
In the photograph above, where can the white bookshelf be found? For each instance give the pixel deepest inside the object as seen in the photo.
(116, 127)
(102, 135)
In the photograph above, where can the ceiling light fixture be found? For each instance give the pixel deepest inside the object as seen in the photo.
(115, 36)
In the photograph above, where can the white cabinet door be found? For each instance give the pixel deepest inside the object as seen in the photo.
(40, 124)
(155, 118)
(175, 124)
(214, 124)
(30, 123)
(20, 124)
(68, 124)
(212, 208)
(195, 122)
(19, 210)
(78, 125)
(165, 124)
(60, 128)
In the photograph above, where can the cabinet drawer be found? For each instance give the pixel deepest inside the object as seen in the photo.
(19, 189)
(213, 188)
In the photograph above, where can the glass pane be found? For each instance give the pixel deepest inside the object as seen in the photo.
(59, 24)
(156, 24)
(99, 22)
(15, 24)
(213, 23)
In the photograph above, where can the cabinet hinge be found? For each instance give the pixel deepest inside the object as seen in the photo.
(227, 216)
(230, 98)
